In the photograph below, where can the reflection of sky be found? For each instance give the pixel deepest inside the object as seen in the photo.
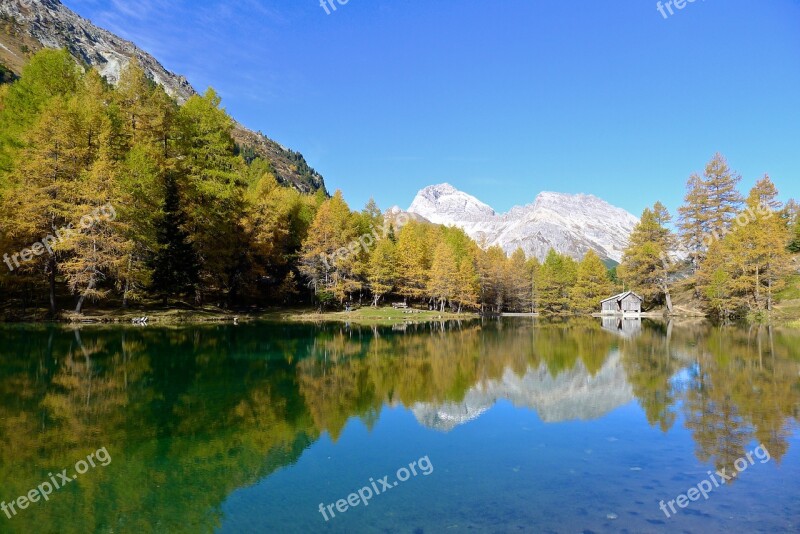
(509, 471)
(682, 380)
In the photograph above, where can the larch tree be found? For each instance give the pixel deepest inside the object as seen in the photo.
(724, 199)
(95, 250)
(693, 220)
(39, 201)
(324, 255)
(382, 271)
(210, 189)
(520, 282)
(443, 282)
(557, 276)
(592, 284)
(413, 260)
(467, 282)
(646, 267)
(49, 73)
(493, 275)
(533, 265)
(792, 215)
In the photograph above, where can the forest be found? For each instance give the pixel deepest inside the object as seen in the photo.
(199, 220)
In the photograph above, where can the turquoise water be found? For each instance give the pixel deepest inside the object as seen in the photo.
(521, 426)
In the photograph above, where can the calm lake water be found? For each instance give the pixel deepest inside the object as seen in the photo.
(510, 426)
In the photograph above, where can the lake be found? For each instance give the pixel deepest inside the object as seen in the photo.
(511, 425)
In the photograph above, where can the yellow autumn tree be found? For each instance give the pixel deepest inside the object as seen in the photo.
(592, 285)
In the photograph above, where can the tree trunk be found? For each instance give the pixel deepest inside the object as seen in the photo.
(769, 293)
(82, 298)
(51, 265)
(758, 289)
(125, 294)
(668, 298)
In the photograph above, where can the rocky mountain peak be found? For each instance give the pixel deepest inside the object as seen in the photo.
(442, 203)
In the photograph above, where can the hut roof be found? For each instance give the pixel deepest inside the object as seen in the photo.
(621, 296)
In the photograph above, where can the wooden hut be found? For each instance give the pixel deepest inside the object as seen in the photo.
(628, 303)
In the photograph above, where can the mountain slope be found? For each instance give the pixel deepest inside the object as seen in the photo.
(29, 25)
(570, 224)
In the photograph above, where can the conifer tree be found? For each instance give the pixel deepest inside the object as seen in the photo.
(520, 282)
(557, 276)
(493, 276)
(49, 74)
(382, 275)
(148, 134)
(467, 283)
(592, 285)
(96, 250)
(176, 267)
(210, 191)
(694, 220)
(413, 260)
(38, 200)
(533, 265)
(724, 200)
(325, 256)
(443, 281)
(792, 216)
(646, 267)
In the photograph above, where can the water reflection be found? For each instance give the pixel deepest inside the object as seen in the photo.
(189, 415)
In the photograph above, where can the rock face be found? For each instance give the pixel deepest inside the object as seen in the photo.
(55, 26)
(28, 25)
(572, 395)
(570, 224)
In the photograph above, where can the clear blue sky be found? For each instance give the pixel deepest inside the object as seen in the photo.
(501, 99)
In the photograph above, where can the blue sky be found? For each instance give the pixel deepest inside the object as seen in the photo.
(501, 99)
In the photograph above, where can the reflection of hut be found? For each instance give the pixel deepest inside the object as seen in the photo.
(628, 303)
(622, 326)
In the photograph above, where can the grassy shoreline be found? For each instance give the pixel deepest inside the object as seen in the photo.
(385, 315)
(380, 315)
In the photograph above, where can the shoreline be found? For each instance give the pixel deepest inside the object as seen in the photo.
(384, 315)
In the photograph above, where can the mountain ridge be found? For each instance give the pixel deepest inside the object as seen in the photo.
(570, 224)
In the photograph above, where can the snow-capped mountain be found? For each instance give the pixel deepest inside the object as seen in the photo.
(573, 395)
(570, 224)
